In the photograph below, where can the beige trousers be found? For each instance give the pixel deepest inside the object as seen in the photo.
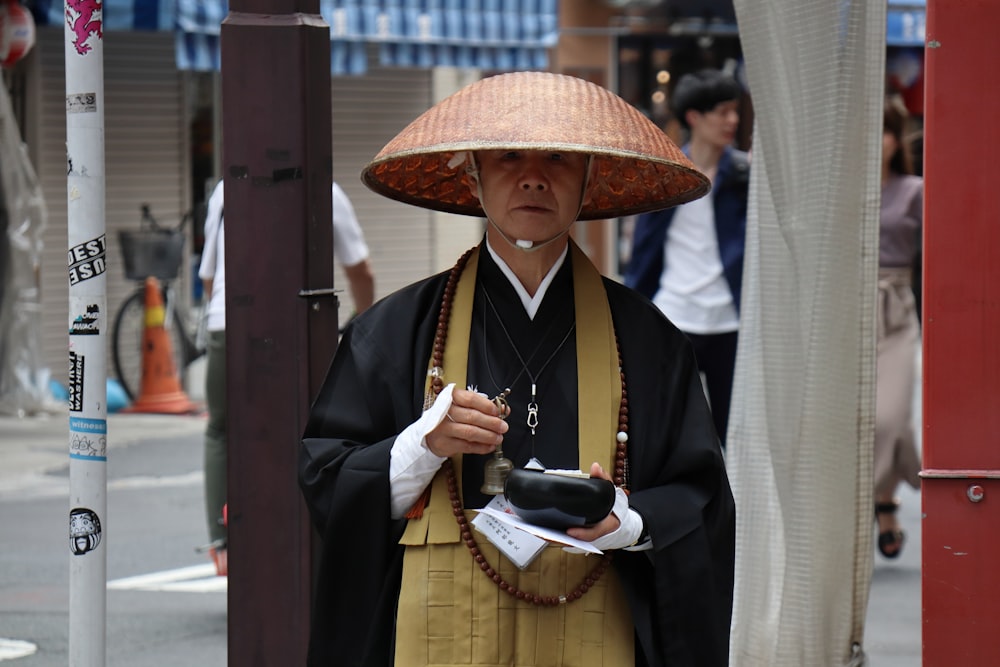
(896, 458)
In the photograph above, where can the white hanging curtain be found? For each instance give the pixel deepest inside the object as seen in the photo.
(800, 433)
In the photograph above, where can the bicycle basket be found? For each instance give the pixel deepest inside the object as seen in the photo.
(156, 253)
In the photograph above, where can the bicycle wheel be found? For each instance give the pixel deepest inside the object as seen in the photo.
(192, 340)
(126, 342)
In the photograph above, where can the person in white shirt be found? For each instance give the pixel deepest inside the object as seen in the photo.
(689, 260)
(349, 249)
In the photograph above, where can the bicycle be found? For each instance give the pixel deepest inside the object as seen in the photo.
(152, 250)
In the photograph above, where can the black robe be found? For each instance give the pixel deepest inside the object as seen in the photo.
(680, 593)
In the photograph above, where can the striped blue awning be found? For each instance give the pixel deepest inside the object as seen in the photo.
(117, 15)
(196, 41)
(906, 23)
(487, 34)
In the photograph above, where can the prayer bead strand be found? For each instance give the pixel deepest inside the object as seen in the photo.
(620, 472)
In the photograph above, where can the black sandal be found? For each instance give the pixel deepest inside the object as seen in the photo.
(889, 539)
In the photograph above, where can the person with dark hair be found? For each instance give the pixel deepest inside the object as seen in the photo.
(703, 91)
(900, 227)
(524, 345)
(689, 260)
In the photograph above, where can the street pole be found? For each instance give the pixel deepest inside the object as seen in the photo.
(87, 262)
(281, 314)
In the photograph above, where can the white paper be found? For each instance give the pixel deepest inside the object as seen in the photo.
(578, 474)
(511, 519)
(520, 547)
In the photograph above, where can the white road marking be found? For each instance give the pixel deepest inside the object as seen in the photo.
(15, 648)
(148, 482)
(40, 485)
(193, 579)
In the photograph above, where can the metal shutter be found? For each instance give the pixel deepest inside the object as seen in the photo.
(367, 112)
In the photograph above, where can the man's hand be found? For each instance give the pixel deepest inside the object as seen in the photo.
(471, 426)
(605, 526)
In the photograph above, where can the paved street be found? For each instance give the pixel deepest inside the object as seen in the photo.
(893, 626)
(164, 605)
(892, 629)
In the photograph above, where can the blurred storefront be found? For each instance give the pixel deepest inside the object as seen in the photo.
(639, 49)
(389, 61)
(653, 43)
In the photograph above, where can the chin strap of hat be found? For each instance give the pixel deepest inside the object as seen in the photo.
(472, 169)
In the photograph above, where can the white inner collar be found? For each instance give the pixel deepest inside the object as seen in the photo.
(531, 303)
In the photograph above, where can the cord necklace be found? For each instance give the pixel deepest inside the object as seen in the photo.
(532, 418)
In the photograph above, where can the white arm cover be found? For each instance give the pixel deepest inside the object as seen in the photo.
(411, 464)
(627, 535)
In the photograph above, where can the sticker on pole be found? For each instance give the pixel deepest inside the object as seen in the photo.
(81, 103)
(87, 260)
(88, 439)
(85, 19)
(84, 530)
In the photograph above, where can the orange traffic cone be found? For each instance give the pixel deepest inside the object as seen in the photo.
(160, 391)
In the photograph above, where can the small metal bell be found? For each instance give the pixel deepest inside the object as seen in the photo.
(495, 473)
(495, 470)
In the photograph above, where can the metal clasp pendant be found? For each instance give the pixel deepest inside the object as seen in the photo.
(532, 416)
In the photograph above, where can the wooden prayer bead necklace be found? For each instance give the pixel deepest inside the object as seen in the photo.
(620, 475)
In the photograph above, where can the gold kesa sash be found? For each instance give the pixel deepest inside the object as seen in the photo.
(450, 613)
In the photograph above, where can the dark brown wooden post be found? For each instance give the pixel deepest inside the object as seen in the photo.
(277, 158)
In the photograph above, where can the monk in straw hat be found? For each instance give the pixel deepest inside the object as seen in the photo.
(522, 356)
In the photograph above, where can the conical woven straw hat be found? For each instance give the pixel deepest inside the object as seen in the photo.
(637, 167)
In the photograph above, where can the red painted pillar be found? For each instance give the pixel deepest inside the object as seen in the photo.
(961, 430)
